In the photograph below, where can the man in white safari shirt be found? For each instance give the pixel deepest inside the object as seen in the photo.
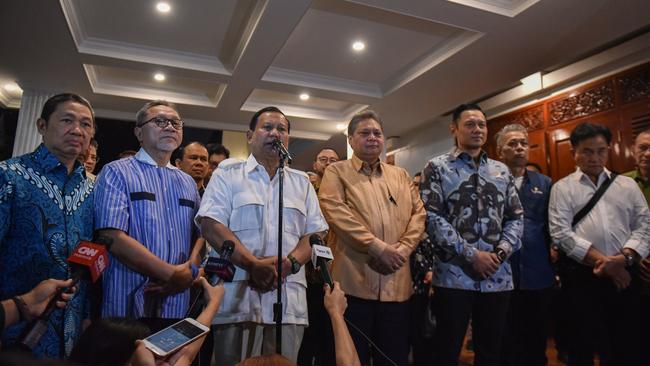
(241, 204)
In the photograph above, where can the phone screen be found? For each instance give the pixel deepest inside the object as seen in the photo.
(170, 338)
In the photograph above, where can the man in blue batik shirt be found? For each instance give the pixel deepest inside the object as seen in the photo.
(528, 316)
(46, 207)
(475, 222)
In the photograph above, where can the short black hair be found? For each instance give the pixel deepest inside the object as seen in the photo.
(253, 124)
(465, 107)
(418, 174)
(218, 149)
(53, 102)
(587, 130)
(180, 152)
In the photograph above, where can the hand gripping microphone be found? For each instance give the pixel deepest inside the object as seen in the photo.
(282, 150)
(87, 262)
(320, 255)
(217, 270)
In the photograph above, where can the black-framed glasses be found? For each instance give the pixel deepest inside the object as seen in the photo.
(162, 122)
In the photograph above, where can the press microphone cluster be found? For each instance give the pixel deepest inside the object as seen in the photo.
(320, 255)
(282, 150)
(217, 270)
(87, 262)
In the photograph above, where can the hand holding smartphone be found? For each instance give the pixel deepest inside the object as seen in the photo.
(172, 338)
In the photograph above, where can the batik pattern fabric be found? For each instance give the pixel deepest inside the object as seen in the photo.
(470, 206)
(44, 213)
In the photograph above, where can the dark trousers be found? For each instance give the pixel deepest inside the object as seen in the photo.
(603, 320)
(387, 326)
(489, 311)
(421, 335)
(317, 347)
(524, 340)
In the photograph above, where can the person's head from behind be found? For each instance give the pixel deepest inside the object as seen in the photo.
(590, 146)
(67, 123)
(267, 360)
(109, 341)
(469, 127)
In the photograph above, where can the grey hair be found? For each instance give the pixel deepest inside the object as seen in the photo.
(142, 113)
(501, 135)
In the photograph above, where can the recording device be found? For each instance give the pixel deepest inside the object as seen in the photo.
(87, 262)
(221, 269)
(320, 255)
(282, 150)
(170, 339)
(217, 270)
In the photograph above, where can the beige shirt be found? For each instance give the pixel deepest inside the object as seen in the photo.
(369, 208)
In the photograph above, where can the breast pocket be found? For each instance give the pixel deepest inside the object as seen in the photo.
(247, 212)
(293, 222)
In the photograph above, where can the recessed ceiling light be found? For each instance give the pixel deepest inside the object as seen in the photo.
(358, 46)
(11, 87)
(304, 96)
(163, 7)
(159, 76)
(341, 126)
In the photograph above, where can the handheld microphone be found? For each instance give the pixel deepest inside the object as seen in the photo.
(87, 262)
(282, 150)
(320, 255)
(221, 269)
(217, 270)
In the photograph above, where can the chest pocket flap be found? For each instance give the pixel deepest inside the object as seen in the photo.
(247, 212)
(295, 216)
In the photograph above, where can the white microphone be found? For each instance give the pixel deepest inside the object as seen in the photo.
(320, 255)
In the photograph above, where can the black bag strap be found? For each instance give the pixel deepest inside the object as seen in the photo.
(594, 199)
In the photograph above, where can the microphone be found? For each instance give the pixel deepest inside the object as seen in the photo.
(217, 270)
(87, 262)
(320, 255)
(221, 269)
(282, 150)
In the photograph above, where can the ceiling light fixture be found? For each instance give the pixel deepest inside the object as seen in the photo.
(163, 7)
(341, 126)
(159, 76)
(358, 46)
(304, 96)
(11, 87)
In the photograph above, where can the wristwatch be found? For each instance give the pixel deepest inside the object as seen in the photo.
(629, 260)
(501, 254)
(295, 265)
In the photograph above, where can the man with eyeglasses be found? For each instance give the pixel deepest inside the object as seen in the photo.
(603, 246)
(46, 208)
(146, 206)
(325, 157)
(241, 204)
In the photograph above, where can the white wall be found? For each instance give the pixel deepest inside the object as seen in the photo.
(422, 144)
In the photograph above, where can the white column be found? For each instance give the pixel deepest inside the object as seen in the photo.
(27, 136)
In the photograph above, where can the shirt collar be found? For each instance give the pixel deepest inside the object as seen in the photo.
(601, 177)
(44, 158)
(457, 153)
(144, 157)
(251, 163)
(361, 166)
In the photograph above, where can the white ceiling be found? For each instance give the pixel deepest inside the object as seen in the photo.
(224, 59)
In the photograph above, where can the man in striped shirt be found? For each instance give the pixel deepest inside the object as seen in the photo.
(146, 206)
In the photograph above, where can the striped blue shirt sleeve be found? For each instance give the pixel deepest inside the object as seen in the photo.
(111, 201)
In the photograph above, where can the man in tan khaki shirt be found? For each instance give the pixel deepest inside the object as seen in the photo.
(378, 217)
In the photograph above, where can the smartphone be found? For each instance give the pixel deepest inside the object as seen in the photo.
(170, 339)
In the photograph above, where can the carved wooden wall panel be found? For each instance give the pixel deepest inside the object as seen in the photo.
(597, 99)
(634, 86)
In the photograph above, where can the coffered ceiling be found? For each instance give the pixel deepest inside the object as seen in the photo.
(224, 59)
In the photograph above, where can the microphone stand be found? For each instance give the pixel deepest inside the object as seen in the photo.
(277, 307)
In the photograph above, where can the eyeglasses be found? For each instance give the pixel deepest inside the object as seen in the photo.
(325, 160)
(162, 122)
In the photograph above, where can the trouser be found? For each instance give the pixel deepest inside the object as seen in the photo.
(526, 330)
(234, 343)
(420, 342)
(387, 326)
(489, 311)
(603, 320)
(318, 341)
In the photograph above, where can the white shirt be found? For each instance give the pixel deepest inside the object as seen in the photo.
(619, 220)
(241, 197)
